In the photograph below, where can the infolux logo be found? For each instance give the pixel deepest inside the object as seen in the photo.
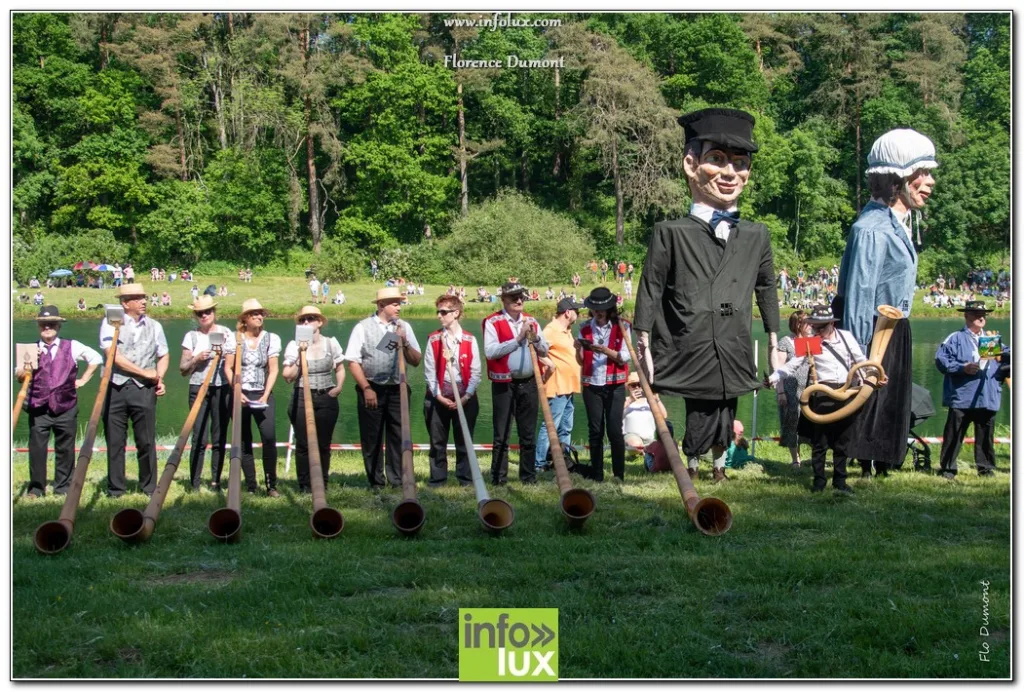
(508, 644)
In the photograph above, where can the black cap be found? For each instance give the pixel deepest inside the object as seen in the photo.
(49, 313)
(511, 288)
(821, 314)
(566, 304)
(725, 126)
(601, 298)
(974, 306)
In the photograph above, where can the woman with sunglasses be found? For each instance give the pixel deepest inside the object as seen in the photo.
(323, 356)
(439, 407)
(215, 412)
(260, 351)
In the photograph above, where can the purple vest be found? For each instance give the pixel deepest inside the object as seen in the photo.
(53, 385)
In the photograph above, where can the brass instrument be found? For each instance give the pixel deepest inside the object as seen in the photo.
(711, 516)
(226, 523)
(408, 516)
(577, 503)
(857, 396)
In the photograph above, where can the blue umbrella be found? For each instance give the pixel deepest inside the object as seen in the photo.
(61, 272)
(104, 268)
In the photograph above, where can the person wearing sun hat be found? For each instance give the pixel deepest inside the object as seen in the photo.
(324, 357)
(693, 304)
(378, 400)
(971, 390)
(879, 267)
(215, 411)
(52, 402)
(260, 352)
(140, 364)
(839, 353)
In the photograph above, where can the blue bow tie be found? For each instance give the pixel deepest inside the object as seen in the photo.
(731, 217)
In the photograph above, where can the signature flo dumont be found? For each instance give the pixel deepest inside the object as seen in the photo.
(455, 61)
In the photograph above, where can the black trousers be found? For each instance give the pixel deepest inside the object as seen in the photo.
(214, 414)
(604, 409)
(264, 418)
(63, 426)
(325, 416)
(984, 434)
(129, 401)
(827, 436)
(516, 399)
(439, 419)
(374, 426)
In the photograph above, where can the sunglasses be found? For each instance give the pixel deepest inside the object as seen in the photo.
(445, 312)
(517, 298)
(49, 325)
(308, 318)
(204, 313)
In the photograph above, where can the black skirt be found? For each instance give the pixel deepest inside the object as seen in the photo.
(708, 424)
(879, 431)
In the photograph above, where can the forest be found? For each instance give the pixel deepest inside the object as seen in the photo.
(212, 141)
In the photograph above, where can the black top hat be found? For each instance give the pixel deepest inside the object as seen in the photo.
(511, 288)
(725, 126)
(974, 306)
(601, 298)
(49, 313)
(566, 304)
(821, 314)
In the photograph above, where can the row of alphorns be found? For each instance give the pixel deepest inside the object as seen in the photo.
(710, 515)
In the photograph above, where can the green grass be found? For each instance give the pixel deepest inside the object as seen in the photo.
(881, 584)
(282, 296)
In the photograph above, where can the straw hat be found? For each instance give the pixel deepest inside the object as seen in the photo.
(633, 377)
(311, 310)
(252, 305)
(128, 290)
(203, 302)
(390, 293)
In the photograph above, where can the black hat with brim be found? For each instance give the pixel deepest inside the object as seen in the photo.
(49, 313)
(727, 127)
(821, 314)
(512, 288)
(601, 298)
(975, 306)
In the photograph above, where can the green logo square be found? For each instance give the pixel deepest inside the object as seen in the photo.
(508, 644)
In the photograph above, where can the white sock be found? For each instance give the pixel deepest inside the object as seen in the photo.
(693, 462)
(719, 462)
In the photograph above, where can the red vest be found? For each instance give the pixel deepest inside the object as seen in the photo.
(497, 369)
(435, 343)
(614, 374)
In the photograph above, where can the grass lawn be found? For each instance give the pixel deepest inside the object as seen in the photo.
(882, 584)
(282, 296)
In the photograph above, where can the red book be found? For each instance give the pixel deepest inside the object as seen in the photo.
(808, 343)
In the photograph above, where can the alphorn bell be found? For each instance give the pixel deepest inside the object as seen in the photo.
(325, 521)
(577, 503)
(409, 515)
(857, 396)
(22, 393)
(54, 536)
(495, 515)
(711, 516)
(134, 526)
(225, 524)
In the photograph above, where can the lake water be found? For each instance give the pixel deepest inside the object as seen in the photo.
(172, 408)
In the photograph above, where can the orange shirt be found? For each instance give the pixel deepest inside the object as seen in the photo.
(566, 379)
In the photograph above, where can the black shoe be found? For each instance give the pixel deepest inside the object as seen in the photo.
(817, 488)
(949, 476)
(504, 482)
(844, 489)
(528, 481)
(986, 472)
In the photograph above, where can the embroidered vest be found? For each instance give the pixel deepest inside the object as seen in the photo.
(137, 344)
(379, 367)
(497, 369)
(320, 369)
(53, 385)
(614, 374)
(465, 361)
(254, 362)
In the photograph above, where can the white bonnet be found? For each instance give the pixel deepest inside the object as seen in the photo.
(901, 152)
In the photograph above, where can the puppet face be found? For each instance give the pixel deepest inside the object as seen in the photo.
(917, 189)
(718, 176)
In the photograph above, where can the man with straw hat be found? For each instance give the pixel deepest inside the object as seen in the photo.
(972, 391)
(140, 364)
(52, 402)
(215, 411)
(377, 395)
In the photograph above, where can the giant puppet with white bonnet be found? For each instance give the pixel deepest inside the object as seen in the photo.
(879, 267)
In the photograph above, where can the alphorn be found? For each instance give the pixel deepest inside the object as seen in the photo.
(20, 401)
(134, 526)
(225, 524)
(711, 516)
(325, 521)
(577, 503)
(54, 536)
(495, 515)
(857, 396)
(409, 515)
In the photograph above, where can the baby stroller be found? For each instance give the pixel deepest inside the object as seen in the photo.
(921, 409)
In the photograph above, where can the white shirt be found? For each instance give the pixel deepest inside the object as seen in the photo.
(828, 368)
(520, 364)
(314, 286)
(704, 213)
(357, 339)
(107, 334)
(430, 367)
(602, 335)
(291, 352)
(638, 419)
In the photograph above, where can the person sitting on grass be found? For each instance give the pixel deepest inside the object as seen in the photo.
(154, 299)
(165, 299)
(737, 456)
(639, 429)
(81, 304)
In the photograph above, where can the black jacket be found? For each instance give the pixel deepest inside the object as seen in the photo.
(694, 299)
